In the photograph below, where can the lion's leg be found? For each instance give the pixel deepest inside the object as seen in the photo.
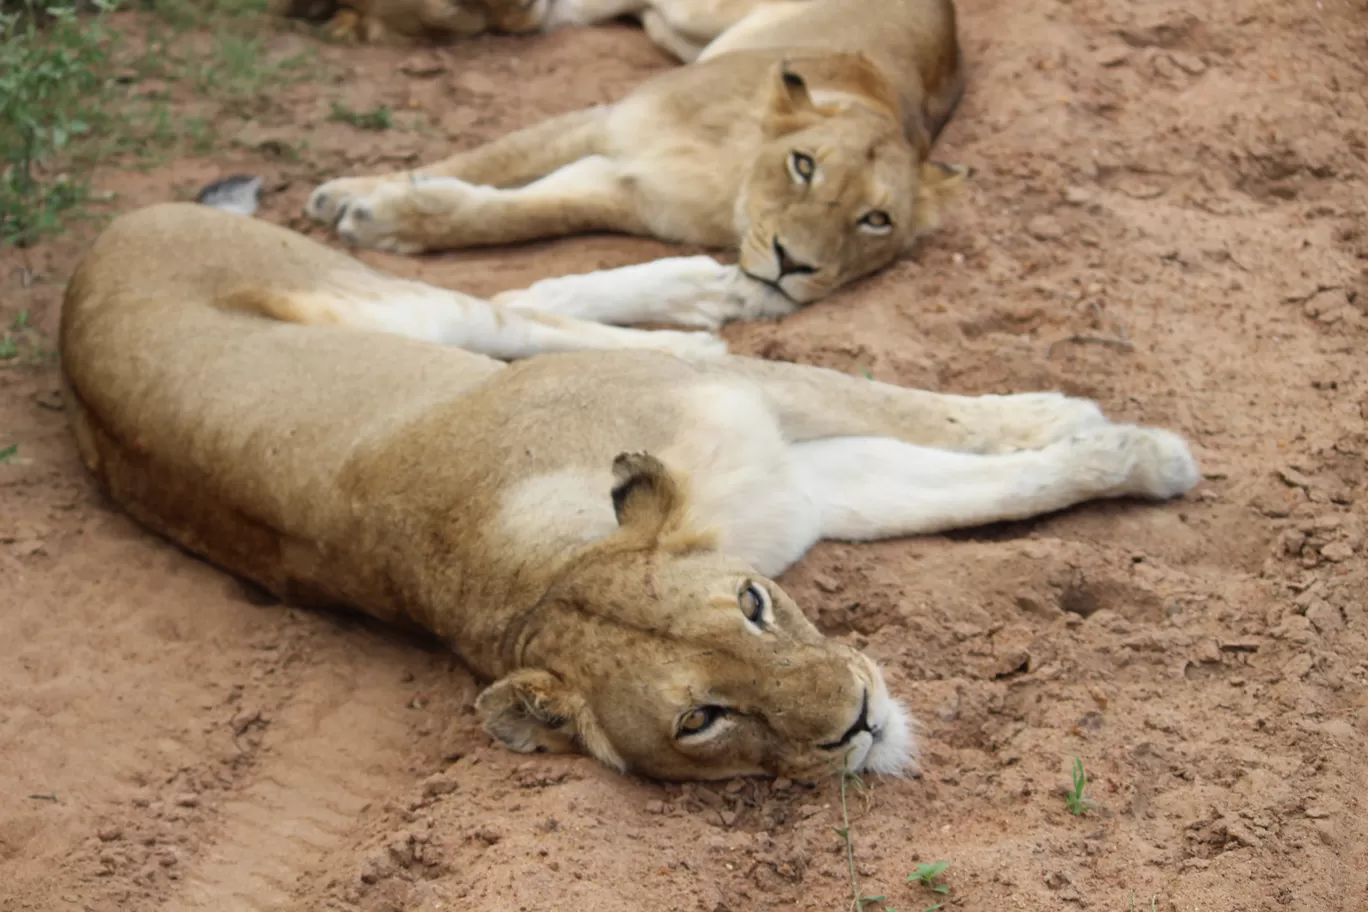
(683, 291)
(588, 12)
(729, 24)
(447, 213)
(509, 161)
(353, 27)
(345, 25)
(421, 311)
(447, 19)
(876, 487)
(699, 22)
(813, 403)
(668, 38)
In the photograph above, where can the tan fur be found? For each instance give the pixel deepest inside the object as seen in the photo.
(570, 524)
(706, 154)
(413, 21)
(681, 27)
(343, 468)
(356, 297)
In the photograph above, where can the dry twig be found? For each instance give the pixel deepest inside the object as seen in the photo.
(1122, 338)
(1127, 344)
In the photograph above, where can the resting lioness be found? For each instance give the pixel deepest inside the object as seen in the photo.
(596, 533)
(681, 27)
(410, 21)
(800, 137)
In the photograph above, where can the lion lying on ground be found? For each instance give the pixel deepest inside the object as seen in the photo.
(413, 21)
(680, 27)
(800, 137)
(596, 533)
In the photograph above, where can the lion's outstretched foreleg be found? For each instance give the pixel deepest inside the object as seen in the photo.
(513, 160)
(447, 213)
(695, 291)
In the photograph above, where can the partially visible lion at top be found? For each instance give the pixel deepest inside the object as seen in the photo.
(800, 138)
(681, 27)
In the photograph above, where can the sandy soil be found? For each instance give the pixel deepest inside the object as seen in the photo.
(1192, 181)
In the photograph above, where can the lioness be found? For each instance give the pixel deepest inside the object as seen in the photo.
(801, 136)
(597, 533)
(680, 27)
(408, 21)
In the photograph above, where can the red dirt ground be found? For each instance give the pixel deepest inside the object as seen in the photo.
(1194, 180)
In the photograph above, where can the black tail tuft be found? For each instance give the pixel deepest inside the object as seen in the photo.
(239, 194)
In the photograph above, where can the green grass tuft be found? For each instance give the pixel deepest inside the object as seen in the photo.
(1074, 799)
(70, 94)
(379, 118)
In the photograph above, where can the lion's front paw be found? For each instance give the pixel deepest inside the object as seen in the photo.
(383, 219)
(1032, 421)
(697, 293)
(410, 216)
(754, 300)
(328, 200)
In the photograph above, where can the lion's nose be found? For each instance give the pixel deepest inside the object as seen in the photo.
(861, 724)
(787, 264)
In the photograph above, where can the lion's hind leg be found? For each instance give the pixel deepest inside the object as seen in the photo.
(419, 311)
(814, 403)
(668, 38)
(352, 27)
(564, 13)
(876, 487)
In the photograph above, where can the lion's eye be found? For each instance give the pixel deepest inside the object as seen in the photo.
(699, 719)
(803, 166)
(753, 601)
(877, 220)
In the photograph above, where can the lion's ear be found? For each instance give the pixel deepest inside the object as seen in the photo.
(652, 506)
(532, 710)
(937, 189)
(646, 496)
(789, 101)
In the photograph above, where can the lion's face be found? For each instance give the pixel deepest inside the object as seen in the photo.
(833, 195)
(658, 654)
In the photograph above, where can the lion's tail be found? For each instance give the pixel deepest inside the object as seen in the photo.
(239, 194)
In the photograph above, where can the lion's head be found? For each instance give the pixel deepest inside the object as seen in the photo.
(656, 653)
(836, 192)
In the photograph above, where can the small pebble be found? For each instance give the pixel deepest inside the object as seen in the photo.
(1078, 196)
(1044, 228)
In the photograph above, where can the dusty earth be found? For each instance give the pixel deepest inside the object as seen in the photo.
(1190, 182)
